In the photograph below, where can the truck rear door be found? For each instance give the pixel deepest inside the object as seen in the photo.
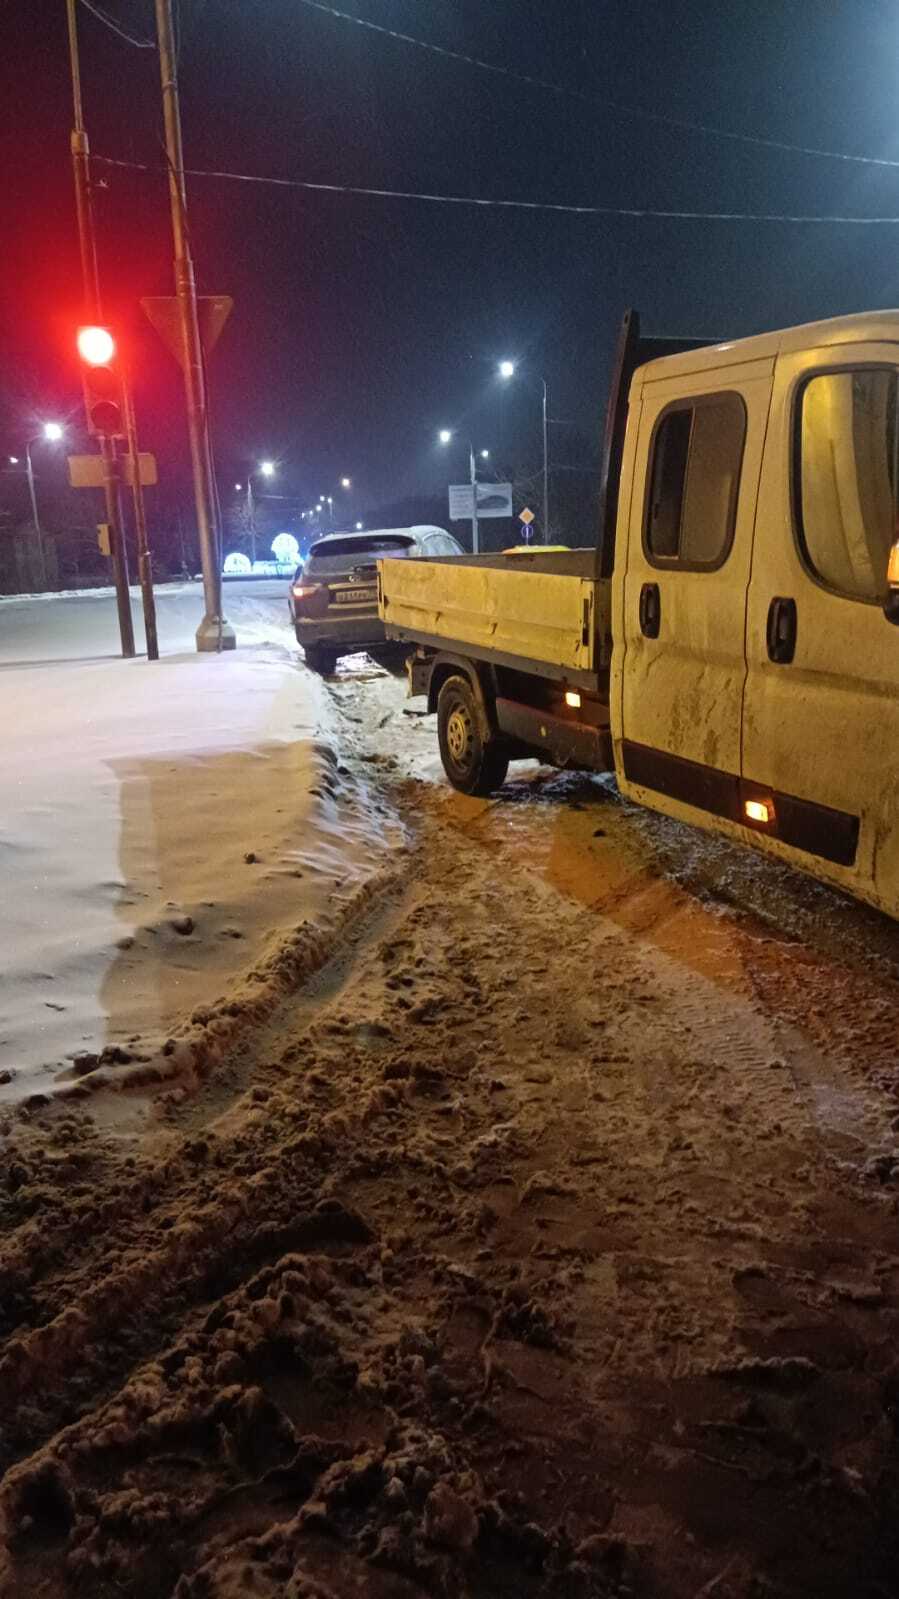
(821, 723)
(682, 663)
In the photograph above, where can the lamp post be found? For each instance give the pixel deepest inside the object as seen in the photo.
(50, 434)
(445, 437)
(266, 469)
(507, 371)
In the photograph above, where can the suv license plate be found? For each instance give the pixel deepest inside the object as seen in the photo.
(358, 596)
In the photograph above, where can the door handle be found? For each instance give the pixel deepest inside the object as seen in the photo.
(650, 610)
(781, 631)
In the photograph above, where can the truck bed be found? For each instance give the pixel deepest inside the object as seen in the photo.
(533, 612)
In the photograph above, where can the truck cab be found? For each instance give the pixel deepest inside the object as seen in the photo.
(755, 666)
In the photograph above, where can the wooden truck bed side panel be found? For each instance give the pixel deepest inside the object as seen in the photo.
(540, 617)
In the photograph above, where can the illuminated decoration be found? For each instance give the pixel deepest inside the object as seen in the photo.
(572, 698)
(758, 810)
(285, 549)
(237, 564)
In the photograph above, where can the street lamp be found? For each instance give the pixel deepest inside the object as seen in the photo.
(51, 433)
(358, 527)
(346, 483)
(445, 436)
(506, 371)
(266, 469)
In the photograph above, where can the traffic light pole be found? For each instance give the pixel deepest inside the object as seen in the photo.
(144, 558)
(112, 484)
(214, 633)
(91, 281)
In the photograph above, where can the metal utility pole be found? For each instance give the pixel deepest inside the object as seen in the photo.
(545, 469)
(29, 473)
(87, 240)
(144, 558)
(251, 519)
(475, 545)
(214, 633)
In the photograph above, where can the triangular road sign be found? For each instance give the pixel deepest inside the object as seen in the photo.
(213, 311)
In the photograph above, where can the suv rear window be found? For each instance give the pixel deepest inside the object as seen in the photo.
(388, 545)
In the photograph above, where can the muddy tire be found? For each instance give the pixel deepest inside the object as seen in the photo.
(320, 659)
(473, 765)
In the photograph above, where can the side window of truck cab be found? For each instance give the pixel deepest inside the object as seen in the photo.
(694, 474)
(845, 481)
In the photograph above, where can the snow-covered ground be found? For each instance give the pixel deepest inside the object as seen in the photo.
(161, 824)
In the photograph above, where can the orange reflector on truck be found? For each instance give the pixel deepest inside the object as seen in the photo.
(893, 567)
(758, 810)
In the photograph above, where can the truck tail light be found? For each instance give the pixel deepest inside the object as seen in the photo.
(893, 567)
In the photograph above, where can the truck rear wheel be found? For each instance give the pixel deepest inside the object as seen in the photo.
(473, 764)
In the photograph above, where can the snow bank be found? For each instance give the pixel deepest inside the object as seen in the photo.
(162, 827)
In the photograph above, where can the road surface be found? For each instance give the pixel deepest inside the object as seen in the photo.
(541, 1240)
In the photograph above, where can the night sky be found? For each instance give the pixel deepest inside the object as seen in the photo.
(361, 325)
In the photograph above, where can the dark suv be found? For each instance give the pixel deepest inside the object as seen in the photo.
(334, 594)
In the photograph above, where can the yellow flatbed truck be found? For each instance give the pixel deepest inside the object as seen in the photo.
(729, 645)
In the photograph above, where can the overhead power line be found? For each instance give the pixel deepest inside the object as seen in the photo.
(569, 91)
(484, 202)
(115, 27)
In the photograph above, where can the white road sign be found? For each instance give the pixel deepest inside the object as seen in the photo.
(494, 499)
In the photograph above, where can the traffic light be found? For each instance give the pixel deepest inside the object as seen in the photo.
(103, 404)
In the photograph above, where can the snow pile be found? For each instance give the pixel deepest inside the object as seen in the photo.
(162, 827)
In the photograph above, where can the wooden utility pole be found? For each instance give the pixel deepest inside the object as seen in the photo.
(214, 633)
(87, 239)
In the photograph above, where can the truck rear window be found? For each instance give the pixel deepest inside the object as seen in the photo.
(697, 452)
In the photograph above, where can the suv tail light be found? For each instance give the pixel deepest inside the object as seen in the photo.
(310, 599)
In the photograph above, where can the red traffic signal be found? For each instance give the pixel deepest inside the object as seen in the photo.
(102, 385)
(96, 346)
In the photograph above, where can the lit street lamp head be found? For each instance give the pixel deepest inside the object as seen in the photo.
(485, 455)
(14, 460)
(445, 435)
(267, 468)
(52, 432)
(346, 483)
(507, 369)
(238, 487)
